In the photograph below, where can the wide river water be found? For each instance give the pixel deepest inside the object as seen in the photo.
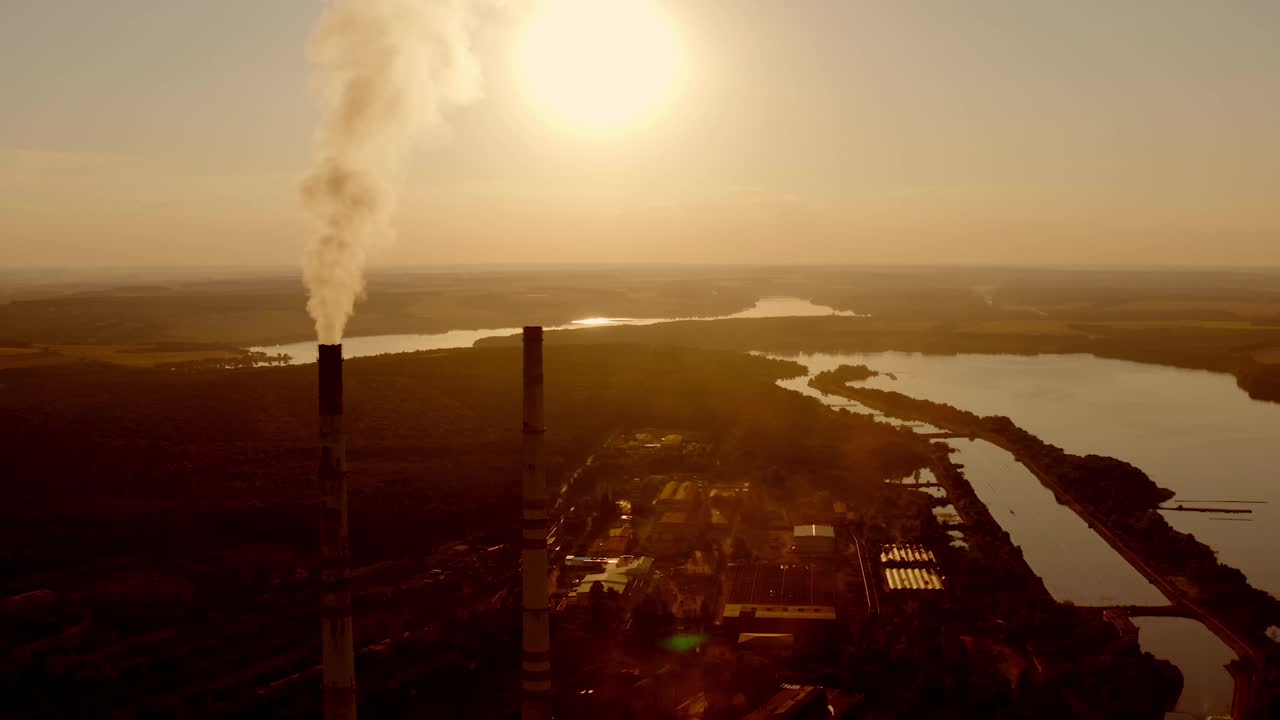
(305, 352)
(1193, 432)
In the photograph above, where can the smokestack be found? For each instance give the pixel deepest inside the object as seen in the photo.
(535, 666)
(338, 657)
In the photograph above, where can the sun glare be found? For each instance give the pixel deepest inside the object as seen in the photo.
(599, 66)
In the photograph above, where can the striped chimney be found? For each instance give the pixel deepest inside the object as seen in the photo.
(337, 654)
(535, 666)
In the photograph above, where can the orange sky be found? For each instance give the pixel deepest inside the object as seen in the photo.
(158, 132)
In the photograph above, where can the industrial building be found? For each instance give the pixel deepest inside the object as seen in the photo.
(676, 533)
(654, 443)
(720, 526)
(814, 539)
(587, 563)
(766, 642)
(910, 566)
(797, 599)
(796, 702)
(678, 494)
(622, 575)
(616, 541)
(907, 554)
(681, 517)
(912, 578)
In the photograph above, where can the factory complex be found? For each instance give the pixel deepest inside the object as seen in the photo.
(650, 557)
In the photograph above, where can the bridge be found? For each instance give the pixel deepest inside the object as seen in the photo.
(1143, 610)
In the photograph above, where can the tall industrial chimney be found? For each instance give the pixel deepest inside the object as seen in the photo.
(535, 666)
(337, 654)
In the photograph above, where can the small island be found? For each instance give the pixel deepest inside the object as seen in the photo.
(846, 374)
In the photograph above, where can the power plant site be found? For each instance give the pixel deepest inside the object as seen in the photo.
(639, 360)
(656, 558)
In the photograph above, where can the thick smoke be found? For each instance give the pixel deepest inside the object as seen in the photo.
(388, 69)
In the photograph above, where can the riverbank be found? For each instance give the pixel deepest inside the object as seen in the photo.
(1119, 501)
(1224, 348)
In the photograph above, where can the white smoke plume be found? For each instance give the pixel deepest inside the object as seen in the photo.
(387, 70)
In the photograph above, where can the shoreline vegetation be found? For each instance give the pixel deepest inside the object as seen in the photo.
(1232, 350)
(15, 355)
(1220, 321)
(1126, 503)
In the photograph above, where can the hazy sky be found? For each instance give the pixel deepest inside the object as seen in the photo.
(1135, 131)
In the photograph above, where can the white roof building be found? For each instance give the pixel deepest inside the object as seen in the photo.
(912, 578)
(618, 577)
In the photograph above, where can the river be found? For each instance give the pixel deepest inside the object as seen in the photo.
(1192, 431)
(1079, 566)
(360, 346)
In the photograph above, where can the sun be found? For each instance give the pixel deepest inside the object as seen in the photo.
(599, 66)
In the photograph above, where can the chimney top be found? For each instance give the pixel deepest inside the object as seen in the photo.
(330, 379)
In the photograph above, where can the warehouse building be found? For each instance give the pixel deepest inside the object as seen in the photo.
(814, 539)
(797, 599)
